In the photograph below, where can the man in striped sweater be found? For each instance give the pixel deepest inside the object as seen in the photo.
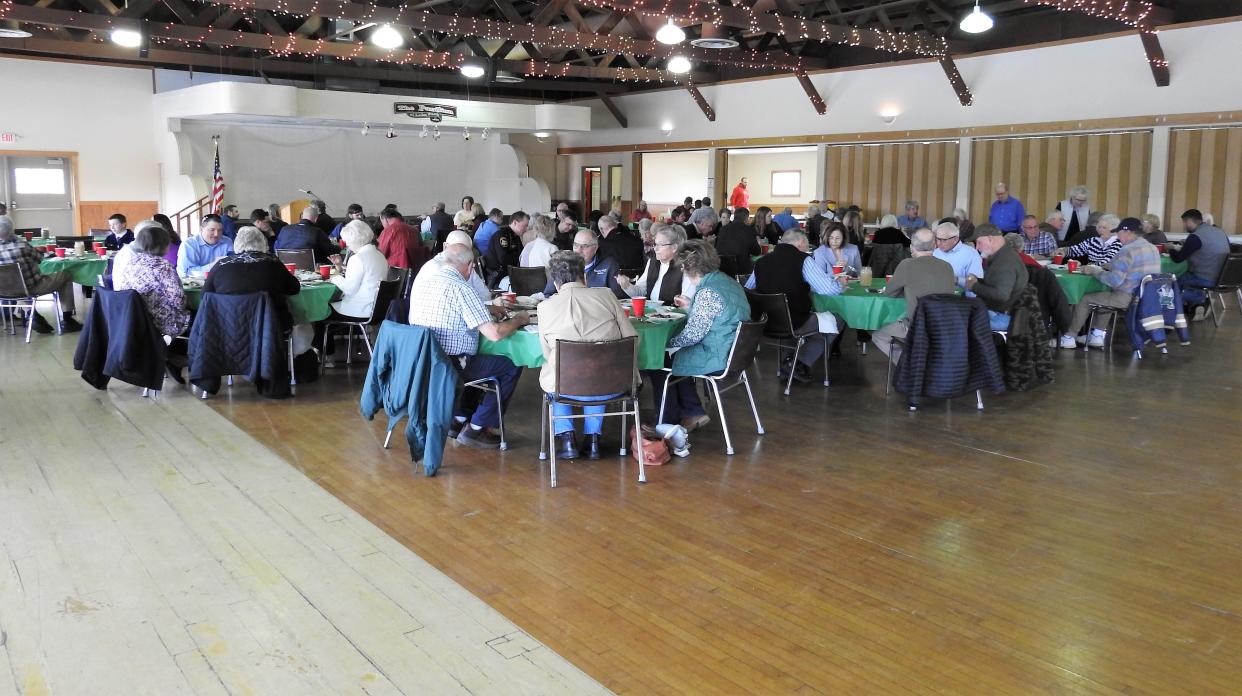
(1135, 258)
(1101, 248)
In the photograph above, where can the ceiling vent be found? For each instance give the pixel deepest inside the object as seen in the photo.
(714, 43)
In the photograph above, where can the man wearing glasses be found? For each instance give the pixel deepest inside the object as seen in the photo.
(599, 272)
(1075, 212)
(962, 257)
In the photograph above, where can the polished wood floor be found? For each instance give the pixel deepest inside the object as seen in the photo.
(1082, 538)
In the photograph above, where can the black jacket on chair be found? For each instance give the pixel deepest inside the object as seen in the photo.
(120, 341)
(1028, 357)
(1052, 299)
(949, 350)
(239, 335)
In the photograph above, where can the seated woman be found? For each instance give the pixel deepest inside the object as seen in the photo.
(152, 276)
(252, 268)
(576, 313)
(889, 232)
(702, 347)
(765, 228)
(835, 251)
(174, 239)
(662, 278)
(359, 280)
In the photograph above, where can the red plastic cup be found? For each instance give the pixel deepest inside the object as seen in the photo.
(640, 306)
(1160, 247)
(763, 248)
(838, 270)
(29, 236)
(325, 271)
(1073, 265)
(342, 242)
(628, 313)
(1058, 259)
(206, 275)
(50, 247)
(60, 252)
(291, 267)
(510, 297)
(888, 279)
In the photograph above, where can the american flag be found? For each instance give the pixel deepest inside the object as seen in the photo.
(217, 184)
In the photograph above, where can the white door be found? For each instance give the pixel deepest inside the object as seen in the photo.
(39, 193)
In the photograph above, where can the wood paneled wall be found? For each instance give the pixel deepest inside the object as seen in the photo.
(881, 178)
(1205, 172)
(1041, 170)
(95, 214)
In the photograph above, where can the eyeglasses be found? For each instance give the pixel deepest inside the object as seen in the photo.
(664, 244)
(946, 239)
(585, 246)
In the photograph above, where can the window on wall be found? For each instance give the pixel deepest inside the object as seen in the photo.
(30, 180)
(787, 183)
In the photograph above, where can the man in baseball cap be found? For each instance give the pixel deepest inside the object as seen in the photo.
(1122, 275)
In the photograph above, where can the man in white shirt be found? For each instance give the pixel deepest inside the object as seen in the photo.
(476, 282)
(962, 257)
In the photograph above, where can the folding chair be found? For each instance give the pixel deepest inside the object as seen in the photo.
(780, 326)
(1230, 280)
(15, 295)
(387, 292)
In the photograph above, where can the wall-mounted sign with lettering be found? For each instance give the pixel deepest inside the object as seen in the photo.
(433, 112)
(7, 137)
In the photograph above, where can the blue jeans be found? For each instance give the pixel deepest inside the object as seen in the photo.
(590, 426)
(998, 320)
(485, 412)
(683, 398)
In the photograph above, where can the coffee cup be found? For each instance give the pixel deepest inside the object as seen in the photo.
(60, 252)
(640, 306)
(325, 271)
(291, 267)
(1073, 265)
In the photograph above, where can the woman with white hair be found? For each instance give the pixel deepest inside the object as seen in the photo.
(359, 279)
(252, 268)
(149, 274)
(1076, 211)
(537, 246)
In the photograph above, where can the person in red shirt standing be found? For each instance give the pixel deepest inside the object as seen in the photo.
(740, 198)
(397, 239)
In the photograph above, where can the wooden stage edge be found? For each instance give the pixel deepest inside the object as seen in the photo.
(1085, 537)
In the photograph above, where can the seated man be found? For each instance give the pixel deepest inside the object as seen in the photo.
(565, 231)
(1005, 278)
(1204, 251)
(911, 221)
(921, 274)
(307, 235)
(14, 249)
(118, 236)
(505, 249)
(1036, 242)
(789, 270)
(1135, 259)
(737, 240)
(576, 313)
(964, 258)
(228, 220)
(619, 244)
(199, 253)
(397, 239)
(476, 283)
(483, 237)
(599, 272)
(445, 302)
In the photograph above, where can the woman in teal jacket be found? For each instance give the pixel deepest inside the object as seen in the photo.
(718, 306)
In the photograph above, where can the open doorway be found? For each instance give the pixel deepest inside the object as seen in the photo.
(592, 190)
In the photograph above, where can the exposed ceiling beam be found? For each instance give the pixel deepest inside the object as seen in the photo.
(964, 95)
(614, 110)
(1155, 57)
(706, 108)
(821, 107)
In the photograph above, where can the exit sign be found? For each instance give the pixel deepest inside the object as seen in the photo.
(8, 137)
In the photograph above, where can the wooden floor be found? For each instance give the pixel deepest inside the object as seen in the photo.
(1082, 538)
(153, 548)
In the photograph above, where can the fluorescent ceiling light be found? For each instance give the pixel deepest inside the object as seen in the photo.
(542, 134)
(679, 65)
(127, 38)
(976, 22)
(670, 34)
(387, 37)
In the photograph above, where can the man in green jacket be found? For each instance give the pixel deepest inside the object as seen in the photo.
(1004, 275)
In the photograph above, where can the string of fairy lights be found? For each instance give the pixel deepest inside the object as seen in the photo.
(1135, 13)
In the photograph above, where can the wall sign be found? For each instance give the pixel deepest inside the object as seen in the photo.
(434, 112)
(7, 137)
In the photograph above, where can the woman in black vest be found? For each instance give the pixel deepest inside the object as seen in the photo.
(662, 279)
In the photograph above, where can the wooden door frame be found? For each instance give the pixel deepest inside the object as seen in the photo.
(73, 177)
(586, 198)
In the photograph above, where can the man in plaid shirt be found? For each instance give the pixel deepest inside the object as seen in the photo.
(1135, 258)
(15, 250)
(446, 303)
(1035, 241)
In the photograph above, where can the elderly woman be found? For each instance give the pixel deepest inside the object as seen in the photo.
(1101, 248)
(702, 347)
(576, 313)
(537, 246)
(358, 279)
(662, 279)
(644, 233)
(152, 276)
(836, 252)
(1151, 229)
(465, 216)
(889, 232)
(252, 268)
(640, 213)
(1076, 211)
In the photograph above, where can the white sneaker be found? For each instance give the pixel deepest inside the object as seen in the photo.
(1068, 342)
(1097, 338)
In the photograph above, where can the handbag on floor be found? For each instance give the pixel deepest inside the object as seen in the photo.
(650, 446)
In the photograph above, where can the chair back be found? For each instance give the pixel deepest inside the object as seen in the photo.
(303, 259)
(387, 292)
(596, 368)
(69, 242)
(35, 231)
(528, 280)
(745, 346)
(1231, 273)
(729, 265)
(12, 282)
(776, 307)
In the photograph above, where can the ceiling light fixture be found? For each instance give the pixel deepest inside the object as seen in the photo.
(127, 38)
(889, 114)
(424, 132)
(366, 128)
(13, 33)
(666, 128)
(542, 136)
(387, 37)
(670, 34)
(486, 132)
(679, 65)
(976, 22)
(435, 133)
(465, 134)
(391, 132)
(473, 67)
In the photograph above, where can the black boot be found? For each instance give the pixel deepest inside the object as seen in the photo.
(566, 445)
(68, 324)
(40, 324)
(592, 446)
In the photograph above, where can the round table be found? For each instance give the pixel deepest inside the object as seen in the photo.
(83, 270)
(524, 350)
(861, 309)
(1078, 284)
(312, 303)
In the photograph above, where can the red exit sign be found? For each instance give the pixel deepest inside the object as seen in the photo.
(8, 137)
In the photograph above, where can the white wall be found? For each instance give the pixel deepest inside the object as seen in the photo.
(668, 177)
(758, 168)
(1110, 78)
(102, 113)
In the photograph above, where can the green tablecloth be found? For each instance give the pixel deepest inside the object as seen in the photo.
(311, 304)
(861, 309)
(1168, 265)
(524, 350)
(1078, 284)
(83, 270)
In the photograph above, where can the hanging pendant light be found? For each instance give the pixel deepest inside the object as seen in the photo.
(976, 22)
(670, 34)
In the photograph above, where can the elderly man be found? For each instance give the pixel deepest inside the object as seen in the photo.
(599, 271)
(323, 220)
(577, 312)
(1006, 211)
(1075, 213)
(921, 274)
(446, 303)
(1035, 241)
(14, 249)
(1006, 276)
(911, 220)
(1135, 258)
(441, 223)
(619, 244)
(706, 224)
(790, 271)
(198, 253)
(1056, 221)
(1205, 250)
(307, 234)
(477, 284)
(737, 239)
(1101, 248)
(505, 248)
(488, 228)
(562, 209)
(785, 219)
(964, 259)
(397, 239)
(538, 247)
